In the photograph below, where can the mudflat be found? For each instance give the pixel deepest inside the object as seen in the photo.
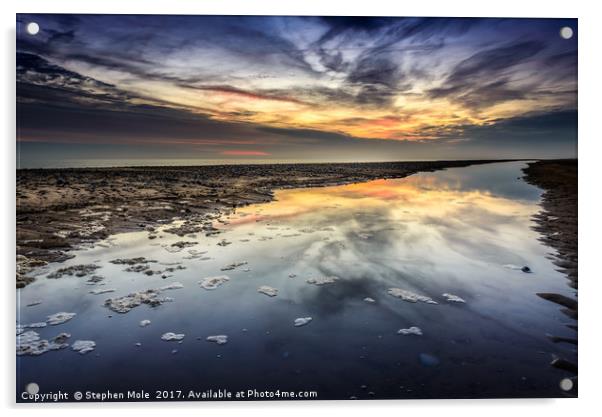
(59, 209)
(557, 225)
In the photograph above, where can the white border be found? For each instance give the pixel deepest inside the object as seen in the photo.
(590, 109)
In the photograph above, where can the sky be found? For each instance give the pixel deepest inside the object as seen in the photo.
(98, 90)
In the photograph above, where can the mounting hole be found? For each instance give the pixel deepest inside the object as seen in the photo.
(32, 388)
(566, 32)
(566, 384)
(33, 28)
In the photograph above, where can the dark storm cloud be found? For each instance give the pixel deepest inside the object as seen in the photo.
(481, 80)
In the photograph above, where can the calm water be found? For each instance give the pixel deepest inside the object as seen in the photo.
(454, 231)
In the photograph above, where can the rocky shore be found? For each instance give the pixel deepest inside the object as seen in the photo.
(59, 209)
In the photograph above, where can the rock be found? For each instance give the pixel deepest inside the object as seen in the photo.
(559, 299)
(77, 270)
(169, 336)
(224, 242)
(412, 330)
(233, 266)
(211, 283)
(269, 291)
(410, 296)
(219, 339)
(565, 365)
(131, 261)
(183, 244)
(302, 321)
(83, 346)
(144, 323)
(59, 318)
(526, 269)
(453, 298)
(322, 280)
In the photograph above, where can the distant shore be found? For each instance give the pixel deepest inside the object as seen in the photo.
(59, 209)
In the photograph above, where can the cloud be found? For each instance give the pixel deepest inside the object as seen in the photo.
(484, 79)
(305, 87)
(237, 152)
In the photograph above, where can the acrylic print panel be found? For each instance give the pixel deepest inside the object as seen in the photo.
(299, 208)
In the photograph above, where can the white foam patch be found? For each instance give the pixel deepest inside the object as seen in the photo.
(412, 330)
(453, 298)
(102, 291)
(83, 346)
(322, 280)
(29, 343)
(302, 321)
(211, 283)
(267, 290)
(410, 296)
(59, 318)
(172, 286)
(144, 323)
(170, 336)
(220, 339)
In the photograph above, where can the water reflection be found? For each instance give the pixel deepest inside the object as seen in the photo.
(433, 233)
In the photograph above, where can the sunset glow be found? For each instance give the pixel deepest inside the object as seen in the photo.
(303, 88)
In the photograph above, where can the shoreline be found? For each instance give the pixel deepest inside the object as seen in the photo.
(557, 224)
(59, 209)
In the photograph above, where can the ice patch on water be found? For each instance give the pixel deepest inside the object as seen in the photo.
(211, 283)
(144, 323)
(220, 339)
(267, 290)
(369, 300)
(410, 296)
(83, 346)
(412, 330)
(302, 321)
